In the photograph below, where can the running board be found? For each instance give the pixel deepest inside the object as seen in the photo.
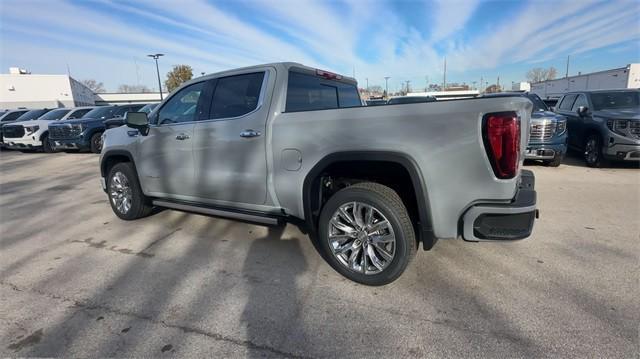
(217, 212)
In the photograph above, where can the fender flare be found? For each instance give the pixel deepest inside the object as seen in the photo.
(426, 235)
(111, 153)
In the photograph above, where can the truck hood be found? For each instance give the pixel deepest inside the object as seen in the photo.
(41, 123)
(539, 115)
(622, 113)
(82, 121)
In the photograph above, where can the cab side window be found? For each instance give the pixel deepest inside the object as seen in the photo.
(183, 106)
(236, 95)
(567, 102)
(580, 101)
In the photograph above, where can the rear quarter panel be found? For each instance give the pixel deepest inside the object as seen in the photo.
(444, 139)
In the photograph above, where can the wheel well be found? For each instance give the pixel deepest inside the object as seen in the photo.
(589, 132)
(111, 161)
(341, 174)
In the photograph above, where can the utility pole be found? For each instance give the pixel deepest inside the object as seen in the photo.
(386, 85)
(498, 84)
(408, 88)
(481, 82)
(566, 74)
(155, 57)
(367, 84)
(444, 77)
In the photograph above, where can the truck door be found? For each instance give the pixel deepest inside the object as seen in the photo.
(230, 145)
(166, 168)
(580, 121)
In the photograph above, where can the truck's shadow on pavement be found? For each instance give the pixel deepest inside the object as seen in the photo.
(272, 313)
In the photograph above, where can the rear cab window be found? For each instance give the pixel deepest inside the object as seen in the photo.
(308, 91)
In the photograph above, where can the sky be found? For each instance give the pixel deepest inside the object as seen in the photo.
(406, 40)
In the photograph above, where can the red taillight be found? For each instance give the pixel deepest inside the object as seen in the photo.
(501, 134)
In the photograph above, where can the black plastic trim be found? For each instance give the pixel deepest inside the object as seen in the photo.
(426, 236)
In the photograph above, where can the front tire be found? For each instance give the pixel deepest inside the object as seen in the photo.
(366, 234)
(96, 142)
(593, 151)
(555, 162)
(46, 145)
(125, 195)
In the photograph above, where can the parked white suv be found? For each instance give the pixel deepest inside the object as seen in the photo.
(34, 134)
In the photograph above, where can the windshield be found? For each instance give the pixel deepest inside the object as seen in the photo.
(538, 104)
(613, 100)
(31, 115)
(100, 112)
(148, 107)
(54, 115)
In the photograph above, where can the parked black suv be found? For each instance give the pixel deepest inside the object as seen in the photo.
(86, 133)
(604, 124)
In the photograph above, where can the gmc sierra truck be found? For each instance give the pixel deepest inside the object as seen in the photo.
(283, 143)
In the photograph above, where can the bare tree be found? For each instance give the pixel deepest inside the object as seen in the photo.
(177, 76)
(493, 89)
(133, 89)
(539, 74)
(93, 85)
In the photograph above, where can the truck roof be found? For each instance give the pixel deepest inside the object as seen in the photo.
(283, 65)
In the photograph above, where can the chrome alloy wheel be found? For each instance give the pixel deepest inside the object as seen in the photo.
(361, 238)
(120, 192)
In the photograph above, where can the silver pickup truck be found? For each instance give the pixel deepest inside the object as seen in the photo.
(282, 143)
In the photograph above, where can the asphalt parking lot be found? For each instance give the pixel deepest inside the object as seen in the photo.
(75, 281)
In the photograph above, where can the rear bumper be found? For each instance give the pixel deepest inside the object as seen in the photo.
(501, 222)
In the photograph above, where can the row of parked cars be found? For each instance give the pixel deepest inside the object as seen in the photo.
(604, 125)
(59, 129)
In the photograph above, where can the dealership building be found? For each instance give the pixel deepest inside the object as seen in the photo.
(21, 89)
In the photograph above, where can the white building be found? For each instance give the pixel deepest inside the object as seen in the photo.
(521, 86)
(620, 78)
(124, 98)
(20, 88)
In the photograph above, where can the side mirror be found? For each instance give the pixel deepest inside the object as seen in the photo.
(137, 120)
(582, 111)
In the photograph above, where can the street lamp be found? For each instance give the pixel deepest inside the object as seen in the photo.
(155, 57)
(386, 85)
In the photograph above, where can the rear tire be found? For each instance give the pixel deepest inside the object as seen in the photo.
(380, 260)
(96, 142)
(125, 194)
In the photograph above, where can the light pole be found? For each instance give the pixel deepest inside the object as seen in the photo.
(386, 85)
(155, 57)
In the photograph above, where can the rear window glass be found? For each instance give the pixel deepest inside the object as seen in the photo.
(567, 102)
(307, 93)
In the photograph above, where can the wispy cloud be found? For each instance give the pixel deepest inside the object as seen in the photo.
(378, 38)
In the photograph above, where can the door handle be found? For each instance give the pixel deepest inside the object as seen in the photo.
(182, 137)
(250, 133)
